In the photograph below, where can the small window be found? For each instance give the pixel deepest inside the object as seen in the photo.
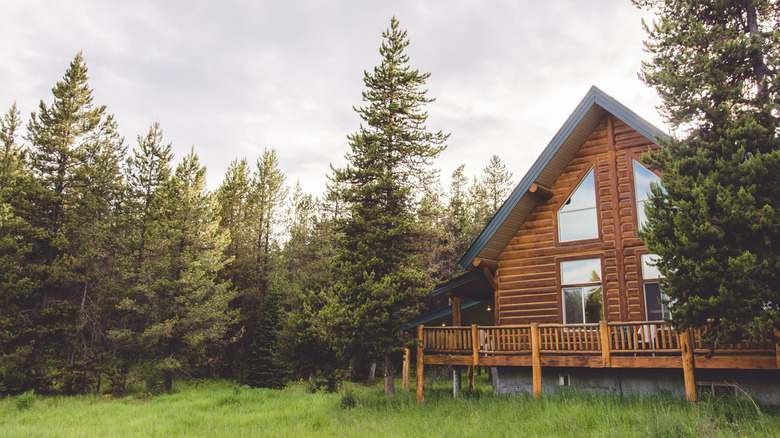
(654, 307)
(578, 218)
(642, 180)
(582, 301)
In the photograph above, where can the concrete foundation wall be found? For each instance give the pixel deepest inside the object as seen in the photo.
(762, 385)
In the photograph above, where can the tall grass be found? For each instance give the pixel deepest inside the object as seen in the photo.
(222, 409)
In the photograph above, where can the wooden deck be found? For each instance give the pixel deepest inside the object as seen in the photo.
(643, 344)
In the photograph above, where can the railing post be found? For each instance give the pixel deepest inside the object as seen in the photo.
(536, 360)
(407, 369)
(606, 344)
(686, 348)
(420, 367)
(474, 354)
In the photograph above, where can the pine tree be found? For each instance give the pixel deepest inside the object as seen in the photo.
(69, 142)
(715, 221)
(497, 181)
(264, 369)
(380, 249)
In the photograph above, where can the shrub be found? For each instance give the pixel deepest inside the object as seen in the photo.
(25, 401)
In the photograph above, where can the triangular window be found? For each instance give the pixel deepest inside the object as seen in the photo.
(578, 218)
(642, 180)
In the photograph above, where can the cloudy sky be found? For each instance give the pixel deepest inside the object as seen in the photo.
(231, 78)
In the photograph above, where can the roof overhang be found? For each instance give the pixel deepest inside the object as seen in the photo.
(471, 285)
(548, 167)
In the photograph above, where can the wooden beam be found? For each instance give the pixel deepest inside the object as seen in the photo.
(420, 366)
(406, 369)
(544, 193)
(537, 363)
(490, 278)
(686, 348)
(485, 263)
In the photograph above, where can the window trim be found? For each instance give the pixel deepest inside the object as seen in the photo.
(561, 286)
(635, 201)
(590, 167)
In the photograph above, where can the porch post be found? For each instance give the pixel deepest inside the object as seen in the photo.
(686, 347)
(605, 344)
(406, 369)
(474, 354)
(777, 347)
(420, 367)
(456, 311)
(536, 360)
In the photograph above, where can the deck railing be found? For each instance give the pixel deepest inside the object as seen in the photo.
(620, 338)
(640, 344)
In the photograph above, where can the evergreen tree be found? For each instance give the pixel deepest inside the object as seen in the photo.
(264, 369)
(69, 141)
(16, 328)
(380, 250)
(715, 221)
(497, 181)
(179, 305)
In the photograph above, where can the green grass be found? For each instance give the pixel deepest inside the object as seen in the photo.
(219, 409)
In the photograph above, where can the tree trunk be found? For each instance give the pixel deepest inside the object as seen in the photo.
(389, 375)
(371, 374)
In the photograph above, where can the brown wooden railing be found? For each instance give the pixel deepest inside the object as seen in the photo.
(640, 344)
(643, 337)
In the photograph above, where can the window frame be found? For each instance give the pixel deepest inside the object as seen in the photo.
(590, 169)
(639, 208)
(665, 313)
(562, 287)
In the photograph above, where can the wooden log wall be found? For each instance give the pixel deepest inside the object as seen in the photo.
(528, 276)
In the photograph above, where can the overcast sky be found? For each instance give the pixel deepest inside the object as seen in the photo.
(234, 77)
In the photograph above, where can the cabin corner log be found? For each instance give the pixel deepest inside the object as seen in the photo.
(485, 263)
(420, 387)
(541, 191)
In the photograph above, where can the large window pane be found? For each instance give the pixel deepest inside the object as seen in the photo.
(642, 180)
(649, 269)
(578, 217)
(572, 302)
(656, 311)
(582, 301)
(581, 271)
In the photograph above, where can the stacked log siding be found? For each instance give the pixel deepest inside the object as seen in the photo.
(528, 275)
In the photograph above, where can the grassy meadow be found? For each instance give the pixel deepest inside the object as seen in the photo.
(223, 409)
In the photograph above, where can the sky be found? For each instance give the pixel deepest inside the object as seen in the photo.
(232, 78)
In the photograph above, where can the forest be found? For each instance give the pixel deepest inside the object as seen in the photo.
(118, 266)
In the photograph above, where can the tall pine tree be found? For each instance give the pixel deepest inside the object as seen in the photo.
(715, 222)
(380, 250)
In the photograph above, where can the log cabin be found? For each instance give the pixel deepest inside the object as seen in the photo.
(573, 291)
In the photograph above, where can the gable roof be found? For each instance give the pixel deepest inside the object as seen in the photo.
(549, 166)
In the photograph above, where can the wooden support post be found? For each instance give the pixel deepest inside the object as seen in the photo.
(474, 354)
(606, 344)
(456, 381)
(777, 347)
(536, 360)
(407, 369)
(456, 321)
(686, 348)
(420, 367)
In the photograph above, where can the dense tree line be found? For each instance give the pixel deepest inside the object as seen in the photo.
(119, 267)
